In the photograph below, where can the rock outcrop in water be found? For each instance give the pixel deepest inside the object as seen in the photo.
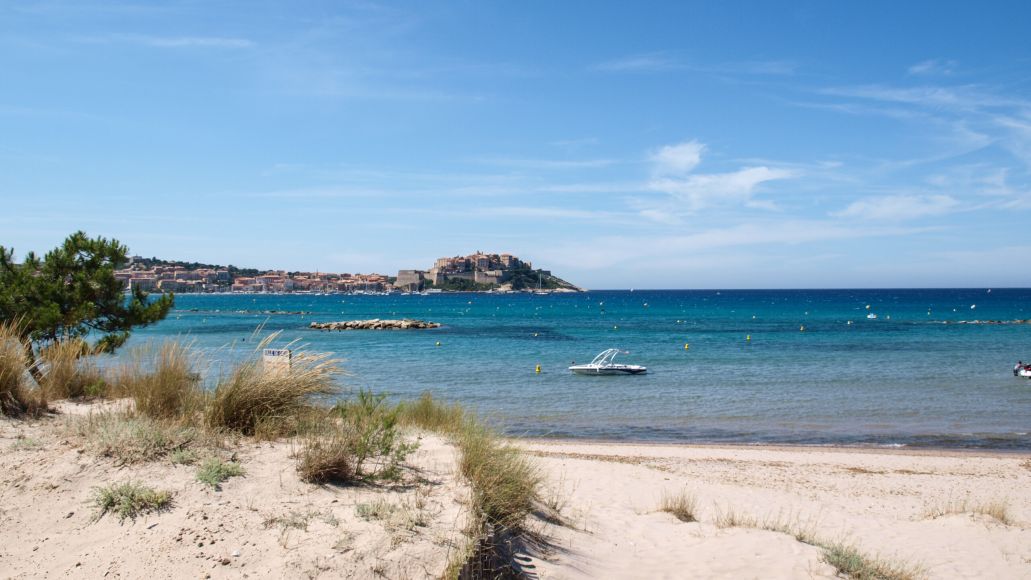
(375, 324)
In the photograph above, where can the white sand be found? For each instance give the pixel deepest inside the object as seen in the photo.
(880, 501)
(47, 527)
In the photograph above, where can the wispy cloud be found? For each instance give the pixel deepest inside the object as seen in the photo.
(899, 207)
(638, 63)
(664, 61)
(171, 41)
(933, 67)
(673, 174)
(545, 164)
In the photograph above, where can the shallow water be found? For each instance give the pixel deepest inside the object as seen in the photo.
(913, 379)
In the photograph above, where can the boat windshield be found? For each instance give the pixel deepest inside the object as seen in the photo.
(605, 357)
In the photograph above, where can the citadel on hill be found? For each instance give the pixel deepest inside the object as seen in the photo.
(481, 271)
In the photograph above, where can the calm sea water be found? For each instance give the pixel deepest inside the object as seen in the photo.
(909, 380)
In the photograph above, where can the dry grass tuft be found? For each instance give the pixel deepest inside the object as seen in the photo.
(17, 397)
(129, 500)
(326, 458)
(131, 439)
(852, 563)
(69, 371)
(995, 509)
(267, 403)
(728, 517)
(162, 382)
(681, 505)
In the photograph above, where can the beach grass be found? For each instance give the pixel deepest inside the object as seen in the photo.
(505, 482)
(681, 505)
(17, 394)
(129, 500)
(996, 509)
(162, 381)
(69, 371)
(214, 471)
(268, 403)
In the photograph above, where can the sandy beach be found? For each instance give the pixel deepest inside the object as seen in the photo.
(917, 508)
(758, 512)
(264, 524)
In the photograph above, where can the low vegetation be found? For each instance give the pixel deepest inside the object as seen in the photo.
(847, 559)
(267, 404)
(852, 563)
(681, 505)
(17, 396)
(359, 440)
(214, 471)
(129, 500)
(68, 370)
(132, 439)
(162, 382)
(995, 509)
(505, 482)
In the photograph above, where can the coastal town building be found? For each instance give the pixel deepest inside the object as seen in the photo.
(161, 278)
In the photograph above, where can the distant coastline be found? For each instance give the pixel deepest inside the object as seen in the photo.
(479, 272)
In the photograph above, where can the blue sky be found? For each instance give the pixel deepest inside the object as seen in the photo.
(662, 145)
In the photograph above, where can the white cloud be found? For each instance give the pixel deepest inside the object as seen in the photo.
(678, 159)
(933, 67)
(899, 207)
(672, 170)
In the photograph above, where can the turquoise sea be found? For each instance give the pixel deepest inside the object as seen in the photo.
(912, 377)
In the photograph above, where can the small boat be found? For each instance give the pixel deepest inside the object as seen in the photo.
(1022, 370)
(603, 365)
(872, 316)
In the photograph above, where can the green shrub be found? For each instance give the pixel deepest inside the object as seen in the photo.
(362, 440)
(132, 439)
(129, 500)
(214, 471)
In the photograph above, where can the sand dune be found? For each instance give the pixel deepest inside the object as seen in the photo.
(266, 524)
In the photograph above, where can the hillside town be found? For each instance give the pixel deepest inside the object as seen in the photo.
(185, 280)
(476, 272)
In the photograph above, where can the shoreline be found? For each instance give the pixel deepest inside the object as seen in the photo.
(929, 451)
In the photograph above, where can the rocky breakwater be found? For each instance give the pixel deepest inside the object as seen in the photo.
(375, 324)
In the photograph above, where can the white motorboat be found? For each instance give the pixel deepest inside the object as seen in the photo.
(1022, 370)
(603, 365)
(872, 316)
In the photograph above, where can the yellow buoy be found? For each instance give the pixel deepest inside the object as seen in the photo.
(748, 338)
(538, 369)
(686, 346)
